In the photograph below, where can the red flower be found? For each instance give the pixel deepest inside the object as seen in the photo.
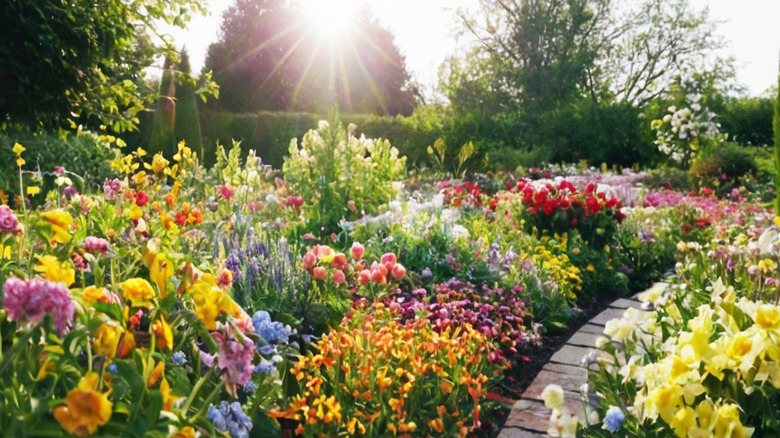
(549, 207)
(573, 223)
(590, 188)
(705, 191)
(340, 260)
(318, 273)
(226, 192)
(141, 198)
(180, 218)
(593, 205)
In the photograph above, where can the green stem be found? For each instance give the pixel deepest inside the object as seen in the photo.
(208, 401)
(196, 389)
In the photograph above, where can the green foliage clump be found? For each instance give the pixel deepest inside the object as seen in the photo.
(671, 178)
(722, 168)
(340, 176)
(84, 154)
(186, 124)
(748, 120)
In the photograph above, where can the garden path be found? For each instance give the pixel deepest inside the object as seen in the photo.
(529, 417)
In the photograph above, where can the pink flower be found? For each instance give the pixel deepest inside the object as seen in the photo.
(31, 300)
(338, 276)
(234, 356)
(96, 245)
(339, 260)
(309, 260)
(388, 260)
(8, 221)
(398, 272)
(357, 251)
(226, 192)
(318, 273)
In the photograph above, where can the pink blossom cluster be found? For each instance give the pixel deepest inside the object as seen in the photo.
(8, 221)
(31, 300)
(235, 356)
(95, 245)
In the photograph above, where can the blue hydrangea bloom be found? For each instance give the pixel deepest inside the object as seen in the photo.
(613, 419)
(265, 367)
(270, 331)
(178, 358)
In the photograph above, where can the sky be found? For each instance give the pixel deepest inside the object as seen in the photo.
(423, 32)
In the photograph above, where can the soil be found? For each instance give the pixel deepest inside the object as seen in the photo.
(522, 374)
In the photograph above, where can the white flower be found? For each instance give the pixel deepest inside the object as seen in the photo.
(323, 124)
(552, 395)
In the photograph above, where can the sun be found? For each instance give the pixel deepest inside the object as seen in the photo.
(332, 19)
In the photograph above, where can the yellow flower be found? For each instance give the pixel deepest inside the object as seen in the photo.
(60, 222)
(138, 291)
(139, 178)
(85, 409)
(94, 294)
(136, 213)
(210, 301)
(684, 420)
(107, 340)
(18, 149)
(159, 164)
(54, 270)
(32, 190)
(159, 272)
(665, 400)
(185, 432)
(729, 425)
(163, 334)
(767, 316)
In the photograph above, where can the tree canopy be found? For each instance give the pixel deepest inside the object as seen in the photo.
(270, 58)
(73, 59)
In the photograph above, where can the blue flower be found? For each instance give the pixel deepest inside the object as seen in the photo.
(270, 331)
(216, 418)
(178, 358)
(250, 387)
(265, 367)
(613, 419)
(230, 417)
(111, 368)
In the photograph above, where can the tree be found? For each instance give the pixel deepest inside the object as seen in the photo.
(656, 41)
(268, 58)
(776, 130)
(187, 123)
(62, 59)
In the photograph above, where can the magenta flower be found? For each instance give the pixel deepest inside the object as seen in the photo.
(8, 221)
(31, 300)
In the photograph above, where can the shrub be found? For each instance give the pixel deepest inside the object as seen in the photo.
(83, 154)
(670, 178)
(340, 176)
(722, 168)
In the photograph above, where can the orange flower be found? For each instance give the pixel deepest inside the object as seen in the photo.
(85, 409)
(163, 334)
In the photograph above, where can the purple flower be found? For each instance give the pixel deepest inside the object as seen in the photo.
(31, 300)
(69, 191)
(8, 221)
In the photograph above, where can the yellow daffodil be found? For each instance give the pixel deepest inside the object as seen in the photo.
(85, 409)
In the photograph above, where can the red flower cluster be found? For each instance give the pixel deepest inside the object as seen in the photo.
(464, 194)
(565, 198)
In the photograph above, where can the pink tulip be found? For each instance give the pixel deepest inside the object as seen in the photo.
(357, 251)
